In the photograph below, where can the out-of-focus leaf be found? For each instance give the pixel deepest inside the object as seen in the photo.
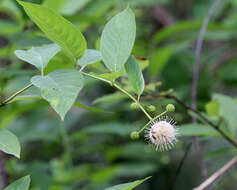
(227, 110)
(89, 57)
(21, 184)
(9, 143)
(92, 109)
(212, 108)
(117, 40)
(58, 29)
(110, 98)
(135, 75)
(197, 130)
(9, 28)
(72, 6)
(142, 62)
(54, 4)
(128, 186)
(159, 59)
(60, 88)
(121, 129)
(38, 56)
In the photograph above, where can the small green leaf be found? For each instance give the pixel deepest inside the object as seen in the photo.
(38, 56)
(60, 88)
(117, 40)
(212, 108)
(20, 184)
(9, 143)
(135, 75)
(128, 186)
(57, 28)
(197, 130)
(90, 56)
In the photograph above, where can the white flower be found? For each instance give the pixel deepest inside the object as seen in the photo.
(162, 134)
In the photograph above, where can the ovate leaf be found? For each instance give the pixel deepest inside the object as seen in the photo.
(57, 28)
(135, 75)
(117, 40)
(127, 186)
(21, 184)
(60, 88)
(9, 143)
(38, 56)
(89, 57)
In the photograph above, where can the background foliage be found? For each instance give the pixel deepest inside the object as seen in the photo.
(91, 149)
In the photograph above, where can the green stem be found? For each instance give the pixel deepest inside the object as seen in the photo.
(66, 143)
(42, 71)
(134, 99)
(122, 90)
(16, 94)
(156, 117)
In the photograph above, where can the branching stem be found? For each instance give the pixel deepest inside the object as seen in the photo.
(122, 90)
(15, 94)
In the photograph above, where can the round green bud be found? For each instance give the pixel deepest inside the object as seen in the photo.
(170, 108)
(134, 135)
(151, 108)
(134, 106)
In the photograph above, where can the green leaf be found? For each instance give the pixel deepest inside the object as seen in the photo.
(90, 56)
(110, 76)
(9, 143)
(38, 56)
(114, 128)
(20, 184)
(92, 109)
(60, 88)
(135, 75)
(128, 186)
(58, 29)
(159, 58)
(197, 130)
(117, 40)
(212, 108)
(72, 6)
(117, 96)
(227, 110)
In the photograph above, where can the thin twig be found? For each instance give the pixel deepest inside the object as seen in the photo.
(180, 166)
(14, 95)
(3, 171)
(122, 90)
(196, 78)
(206, 120)
(217, 174)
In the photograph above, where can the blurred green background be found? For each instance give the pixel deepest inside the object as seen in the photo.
(92, 150)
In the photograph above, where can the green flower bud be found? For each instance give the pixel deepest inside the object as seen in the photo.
(134, 106)
(151, 108)
(134, 135)
(170, 108)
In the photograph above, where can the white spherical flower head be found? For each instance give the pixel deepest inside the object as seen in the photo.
(162, 135)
